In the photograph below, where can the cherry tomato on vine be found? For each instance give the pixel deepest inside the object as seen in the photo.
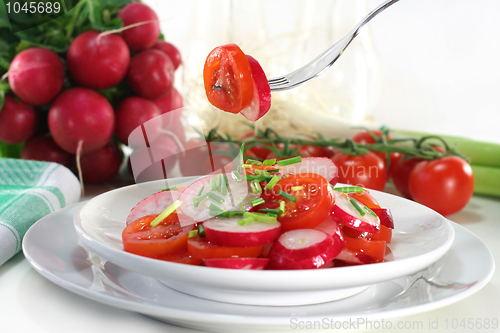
(365, 137)
(400, 173)
(445, 184)
(367, 170)
(228, 78)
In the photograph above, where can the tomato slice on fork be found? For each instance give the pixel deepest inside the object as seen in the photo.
(228, 78)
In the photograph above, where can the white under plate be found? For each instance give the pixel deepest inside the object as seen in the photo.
(421, 236)
(54, 249)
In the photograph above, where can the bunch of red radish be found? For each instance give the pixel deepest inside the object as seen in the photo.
(81, 121)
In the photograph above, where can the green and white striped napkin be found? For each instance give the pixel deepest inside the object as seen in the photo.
(29, 190)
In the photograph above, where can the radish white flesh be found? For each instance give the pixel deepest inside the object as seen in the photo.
(154, 204)
(237, 194)
(261, 102)
(345, 213)
(237, 263)
(322, 166)
(301, 249)
(227, 232)
(351, 257)
(333, 229)
(385, 217)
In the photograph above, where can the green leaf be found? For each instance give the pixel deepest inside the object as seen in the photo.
(2, 99)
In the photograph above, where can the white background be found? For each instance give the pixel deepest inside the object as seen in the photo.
(436, 61)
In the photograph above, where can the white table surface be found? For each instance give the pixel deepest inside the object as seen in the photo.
(30, 303)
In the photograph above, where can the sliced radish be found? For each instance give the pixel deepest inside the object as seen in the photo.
(385, 217)
(236, 198)
(154, 204)
(261, 102)
(351, 257)
(322, 166)
(227, 232)
(301, 249)
(345, 213)
(237, 263)
(333, 229)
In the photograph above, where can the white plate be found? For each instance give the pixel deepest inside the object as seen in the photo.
(54, 249)
(421, 236)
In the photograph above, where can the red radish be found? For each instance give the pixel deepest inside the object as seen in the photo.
(171, 101)
(81, 115)
(227, 232)
(301, 249)
(143, 36)
(151, 74)
(43, 148)
(385, 217)
(236, 195)
(18, 121)
(333, 229)
(154, 204)
(154, 162)
(346, 213)
(101, 165)
(133, 112)
(171, 51)
(262, 93)
(98, 62)
(322, 166)
(237, 263)
(352, 257)
(36, 75)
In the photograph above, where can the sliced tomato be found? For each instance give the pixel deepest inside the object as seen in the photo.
(200, 247)
(374, 249)
(228, 78)
(385, 234)
(366, 199)
(182, 258)
(166, 238)
(313, 201)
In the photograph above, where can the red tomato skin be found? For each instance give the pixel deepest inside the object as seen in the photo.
(400, 173)
(445, 184)
(366, 170)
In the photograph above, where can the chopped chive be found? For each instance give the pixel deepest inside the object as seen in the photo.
(255, 186)
(231, 213)
(260, 217)
(241, 204)
(269, 162)
(262, 173)
(242, 152)
(349, 189)
(213, 184)
(287, 196)
(201, 190)
(257, 202)
(173, 188)
(170, 209)
(272, 215)
(246, 166)
(282, 206)
(223, 184)
(215, 197)
(258, 177)
(271, 183)
(197, 200)
(246, 220)
(273, 170)
(201, 230)
(237, 176)
(254, 162)
(355, 204)
(297, 188)
(370, 211)
(215, 208)
(193, 233)
(288, 161)
(272, 211)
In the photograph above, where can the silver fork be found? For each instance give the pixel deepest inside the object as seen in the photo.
(320, 64)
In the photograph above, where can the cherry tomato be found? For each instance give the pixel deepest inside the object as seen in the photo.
(313, 201)
(181, 257)
(385, 234)
(366, 170)
(366, 199)
(313, 151)
(445, 184)
(200, 247)
(166, 238)
(400, 173)
(365, 137)
(228, 79)
(371, 248)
